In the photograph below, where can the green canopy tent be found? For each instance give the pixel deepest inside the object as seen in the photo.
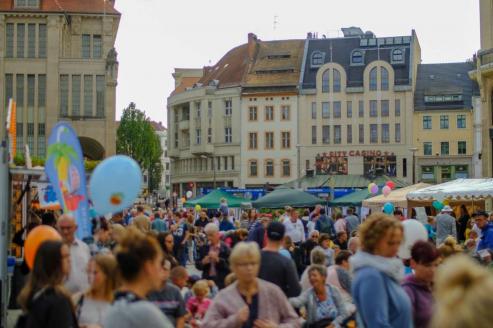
(282, 197)
(213, 200)
(352, 199)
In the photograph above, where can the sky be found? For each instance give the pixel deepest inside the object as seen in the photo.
(157, 36)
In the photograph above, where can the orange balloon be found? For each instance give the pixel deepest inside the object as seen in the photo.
(35, 238)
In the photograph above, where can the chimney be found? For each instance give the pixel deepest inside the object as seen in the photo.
(252, 46)
(309, 35)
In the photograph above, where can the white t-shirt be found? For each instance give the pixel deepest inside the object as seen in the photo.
(90, 311)
(77, 281)
(295, 230)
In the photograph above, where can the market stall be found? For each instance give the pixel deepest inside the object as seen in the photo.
(397, 197)
(213, 200)
(282, 197)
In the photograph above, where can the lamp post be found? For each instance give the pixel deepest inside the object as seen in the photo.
(414, 150)
(213, 169)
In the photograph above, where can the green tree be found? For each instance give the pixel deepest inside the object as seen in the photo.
(136, 138)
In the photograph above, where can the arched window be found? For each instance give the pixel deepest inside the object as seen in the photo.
(373, 79)
(325, 81)
(397, 56)
(384, 78)
(336, 86)
(357, 57)
(317, 59)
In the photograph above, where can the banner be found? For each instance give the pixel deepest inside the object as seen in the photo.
(11, 129)
(47, 197)
(65, 169)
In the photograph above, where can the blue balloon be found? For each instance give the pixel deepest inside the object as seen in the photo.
(388, 208)
(115, 184)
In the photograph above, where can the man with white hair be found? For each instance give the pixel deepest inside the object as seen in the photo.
(446, 225)
(213, 257)
(80, 255)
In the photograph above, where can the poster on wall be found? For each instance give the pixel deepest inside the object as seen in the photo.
(380, 165)
(327, 163)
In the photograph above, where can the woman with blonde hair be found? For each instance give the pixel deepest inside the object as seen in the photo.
(463, 292)
(449, 247)
(379, 298)
(250, 301)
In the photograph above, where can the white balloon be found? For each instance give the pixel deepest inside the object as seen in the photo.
(413, 232)
(189, 194)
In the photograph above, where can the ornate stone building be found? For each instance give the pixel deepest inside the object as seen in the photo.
(58, 61)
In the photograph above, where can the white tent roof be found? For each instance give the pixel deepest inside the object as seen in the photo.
(457, 189)
(396, 197)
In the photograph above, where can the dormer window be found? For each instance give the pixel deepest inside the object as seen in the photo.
(317, 59)
(357, 57)
(397, 56)
(27, 4)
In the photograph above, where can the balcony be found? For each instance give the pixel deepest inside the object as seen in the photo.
(485, 58)
(202, 149)
(184, 125)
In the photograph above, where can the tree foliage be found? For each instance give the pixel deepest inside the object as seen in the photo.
(136, 138)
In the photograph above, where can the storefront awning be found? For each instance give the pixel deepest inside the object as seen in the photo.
(456, 189)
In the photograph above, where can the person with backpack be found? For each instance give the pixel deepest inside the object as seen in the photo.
(325, 224)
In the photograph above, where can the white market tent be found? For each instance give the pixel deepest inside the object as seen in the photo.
(460, 189)
(398, 197)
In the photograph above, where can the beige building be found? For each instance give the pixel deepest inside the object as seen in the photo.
(444, 121)
(58, 61)
(356, 100)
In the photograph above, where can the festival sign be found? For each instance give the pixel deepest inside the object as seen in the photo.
(65, 169)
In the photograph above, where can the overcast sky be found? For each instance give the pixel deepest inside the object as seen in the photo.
(155, 36)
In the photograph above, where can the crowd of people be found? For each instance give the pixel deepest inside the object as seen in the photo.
(290, 268)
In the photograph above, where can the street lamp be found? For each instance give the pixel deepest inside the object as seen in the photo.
(414, 150)
(213, 169)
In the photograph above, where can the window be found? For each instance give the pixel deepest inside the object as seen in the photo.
(314, 110)
(325, 110)
(198, 135)
(373, 108)
(444, 148)
(317, 59)
(10, 40)
(349, 134)
(63, 95)
(198, 110)
(20, 137)
(252, 113)
(31, 41)
(232, 163)
(397, 132)
(21, 30)
(286, 167)
(445, 172)
(209, 135)
(349, 109)
(225, 159)
(361, 108)
(285, 113)
(30, 136)
(97, 46)
(269, 113)
(209, 109)
(397, 108)
(461, 147)
(41, 140)
(42, 40)
(325, 134)
(427, 148)
(443, 121)
(252, 140)
(86, 46)
(397, 56)
(314, 134)
(336, 85)
(404, 167)
(41, 91)
(373, 79)
(253, 172)
(361, 134)
(461, 121)
(427, 122)
(285, 140)
(385, 133)
(269, 168)
(27, 3)
(357, 57)
(19, 94)
(228, 136)
(373, 133)
(100, 95)
(269, 140)
(176, 139)
(9, 88)
(30, 93)
(325, 81)
(337, 109)
(228, 107)
(384, 79)
(76, 80)
(88, 95)
(337, 134)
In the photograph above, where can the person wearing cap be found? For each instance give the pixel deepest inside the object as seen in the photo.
(445, 225)
(486, 239)
(275, 267)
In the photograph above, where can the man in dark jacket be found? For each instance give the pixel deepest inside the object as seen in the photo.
(213, 257)
(258, 232)
(325, 224)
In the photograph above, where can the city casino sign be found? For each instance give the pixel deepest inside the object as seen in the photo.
(356, 153)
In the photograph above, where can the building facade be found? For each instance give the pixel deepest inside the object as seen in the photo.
(444, 123)
(58, 62)
(165, 184)
(356, 104)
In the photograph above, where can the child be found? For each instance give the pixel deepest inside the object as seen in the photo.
(199, 304)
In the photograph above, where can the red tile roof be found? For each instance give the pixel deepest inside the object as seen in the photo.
(68, 6)
(158, 126)
(186, 82)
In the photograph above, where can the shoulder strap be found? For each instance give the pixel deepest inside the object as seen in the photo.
(78, 306)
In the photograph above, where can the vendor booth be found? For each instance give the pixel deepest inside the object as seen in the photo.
(213, 200)
(282, 197)
(397, 197)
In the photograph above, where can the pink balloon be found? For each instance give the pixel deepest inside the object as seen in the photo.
(386, 191)
(374, 189)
